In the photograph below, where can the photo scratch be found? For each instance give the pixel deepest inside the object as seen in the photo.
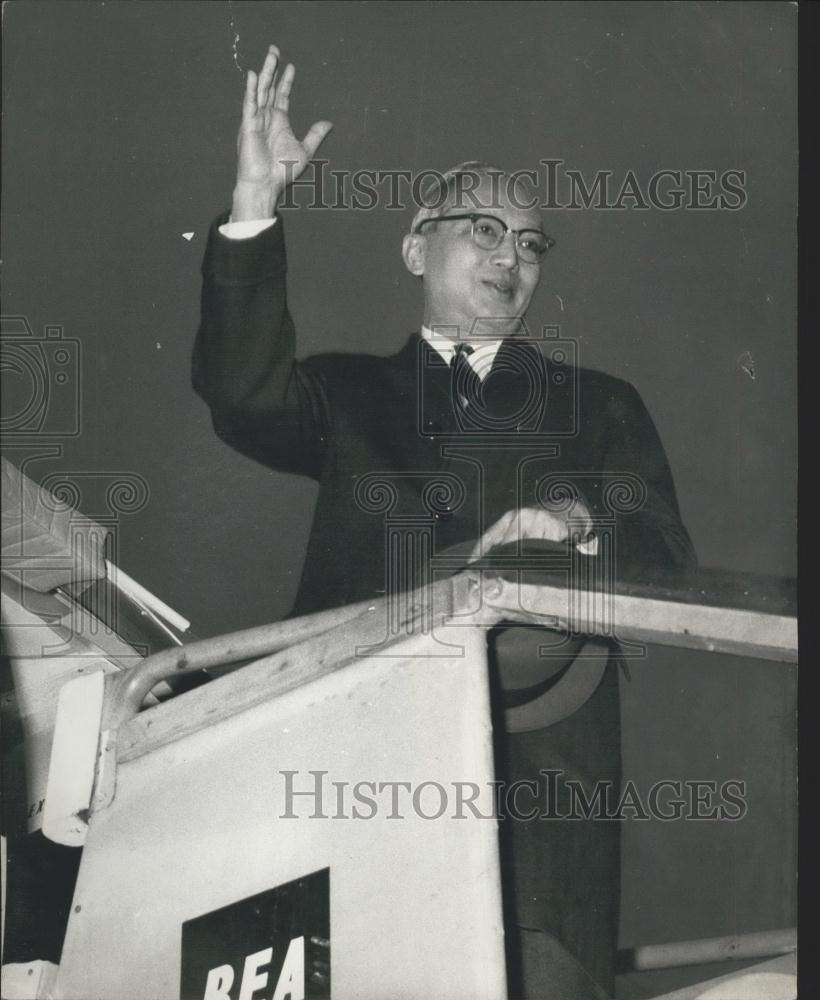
(747, 364)
(235, 34)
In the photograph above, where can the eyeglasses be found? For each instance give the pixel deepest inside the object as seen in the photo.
(488, 233)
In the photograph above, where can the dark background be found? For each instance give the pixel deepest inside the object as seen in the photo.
(119, 136)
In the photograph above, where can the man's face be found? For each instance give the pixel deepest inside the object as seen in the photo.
(464, 283)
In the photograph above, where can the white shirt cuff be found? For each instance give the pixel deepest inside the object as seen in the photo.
(245, 230)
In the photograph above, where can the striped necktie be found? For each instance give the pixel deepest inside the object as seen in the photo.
(465, 382)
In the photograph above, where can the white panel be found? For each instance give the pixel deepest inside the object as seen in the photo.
(197, 824)
(73, 759)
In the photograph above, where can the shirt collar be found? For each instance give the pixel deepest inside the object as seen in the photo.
(482, 358)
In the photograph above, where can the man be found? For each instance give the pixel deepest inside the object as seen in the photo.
(477, 441)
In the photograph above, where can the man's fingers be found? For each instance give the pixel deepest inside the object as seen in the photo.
(315, 137)
(532, 523)
(493, 536)
(512, 533)
(249, 100)
(488, 541)
(542, 524)
(281, 100)
(267, 76)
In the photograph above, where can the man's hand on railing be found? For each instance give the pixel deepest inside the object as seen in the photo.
(536, 523)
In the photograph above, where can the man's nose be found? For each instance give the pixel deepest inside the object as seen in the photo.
(506, 253)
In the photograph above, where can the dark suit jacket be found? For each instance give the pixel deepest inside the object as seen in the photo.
(344, 419)
(393, 451)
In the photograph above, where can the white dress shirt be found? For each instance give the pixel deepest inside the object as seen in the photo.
(245, 230)
(481, 360)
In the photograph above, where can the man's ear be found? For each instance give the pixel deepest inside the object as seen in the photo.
(412, 250)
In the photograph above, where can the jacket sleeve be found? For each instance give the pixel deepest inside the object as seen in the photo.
(651, 537)
(263, 402)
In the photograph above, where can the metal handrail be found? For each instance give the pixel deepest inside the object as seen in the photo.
(130, 689)
(483, 598)
(762, 944)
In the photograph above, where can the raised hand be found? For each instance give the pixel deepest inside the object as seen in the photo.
(270, 155)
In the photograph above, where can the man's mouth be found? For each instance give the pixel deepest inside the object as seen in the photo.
(503, 288)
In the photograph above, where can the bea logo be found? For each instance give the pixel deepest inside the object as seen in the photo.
(272, 946)
(290, 984)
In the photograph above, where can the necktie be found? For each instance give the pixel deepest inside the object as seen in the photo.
(465, 382)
